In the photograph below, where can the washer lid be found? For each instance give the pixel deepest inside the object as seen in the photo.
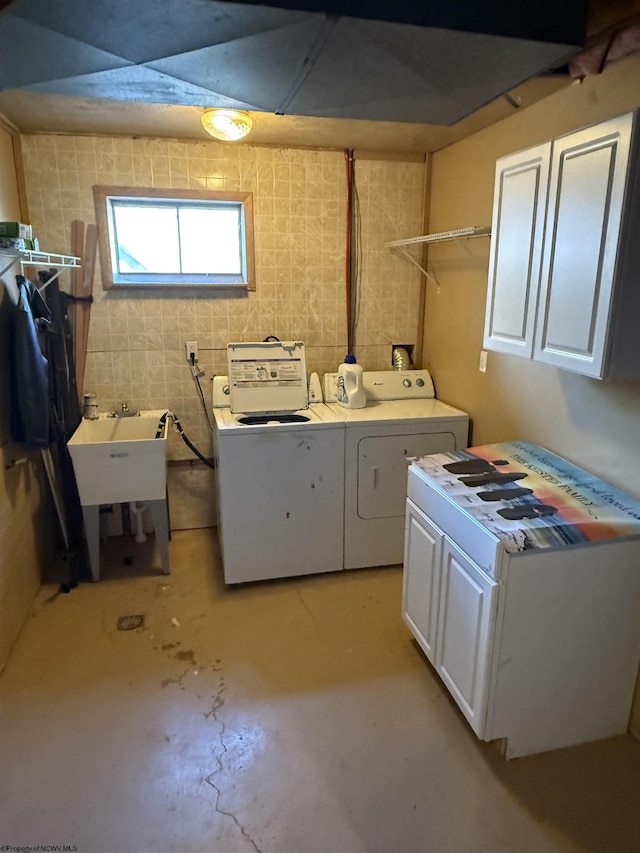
(267, 377)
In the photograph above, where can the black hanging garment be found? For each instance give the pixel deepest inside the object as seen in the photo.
(64, 416)
(65, 412)
(29, 369)
(44, 402)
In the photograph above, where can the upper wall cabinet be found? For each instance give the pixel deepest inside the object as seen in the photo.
(564, 281)
(520, 197)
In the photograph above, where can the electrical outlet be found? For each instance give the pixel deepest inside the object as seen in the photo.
(191, 349)
(483, 361)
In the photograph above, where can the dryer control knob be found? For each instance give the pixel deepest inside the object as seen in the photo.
(406, 383)
(225, 390)
(420, 383)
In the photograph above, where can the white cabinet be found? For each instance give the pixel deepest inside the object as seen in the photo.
(520, 198)
(564, 259)
(448, 603)
(533, 630)
(465, 612)
(421, 579)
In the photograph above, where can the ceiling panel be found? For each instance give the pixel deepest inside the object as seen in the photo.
(257, 69)
(135, 83)
(144, 30)
(413, 74)
(33, 54)
(307, 60)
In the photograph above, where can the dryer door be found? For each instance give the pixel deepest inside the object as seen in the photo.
(382, 469)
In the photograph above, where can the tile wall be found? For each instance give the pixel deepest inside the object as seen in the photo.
(136, 342)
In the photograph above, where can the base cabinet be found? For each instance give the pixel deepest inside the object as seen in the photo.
(449, 604)
(421, 580)
(465, 615)
(539, 648)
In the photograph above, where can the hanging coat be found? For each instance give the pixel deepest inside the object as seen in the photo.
(29, 369)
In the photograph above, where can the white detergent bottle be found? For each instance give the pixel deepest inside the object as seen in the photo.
(351, 393)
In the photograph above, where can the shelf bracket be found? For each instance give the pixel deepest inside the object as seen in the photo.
(402, 252)
(49, 280)
(8, 266)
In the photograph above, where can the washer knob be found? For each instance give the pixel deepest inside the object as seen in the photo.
(420, 383)
(406, 383)
(225, 390)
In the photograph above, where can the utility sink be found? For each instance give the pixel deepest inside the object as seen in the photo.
(120, 459)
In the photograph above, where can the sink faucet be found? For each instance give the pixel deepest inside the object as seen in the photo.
(125, 412)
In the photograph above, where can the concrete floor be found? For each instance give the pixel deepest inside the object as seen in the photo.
(293, 716)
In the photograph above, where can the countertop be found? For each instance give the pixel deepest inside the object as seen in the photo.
(562, 504)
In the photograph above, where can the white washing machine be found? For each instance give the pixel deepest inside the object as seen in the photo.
(401, 419)
(279, 466)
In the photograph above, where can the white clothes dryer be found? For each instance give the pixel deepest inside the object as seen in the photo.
(401, 418)
(279, 466)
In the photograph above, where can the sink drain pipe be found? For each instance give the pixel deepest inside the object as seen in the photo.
(137, 508)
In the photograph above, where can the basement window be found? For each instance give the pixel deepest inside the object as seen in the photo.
(175, 238)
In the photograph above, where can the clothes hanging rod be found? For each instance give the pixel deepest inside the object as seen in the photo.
(444, 236)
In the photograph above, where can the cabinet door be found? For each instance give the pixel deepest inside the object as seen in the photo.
(517, 230)
(421, 578)
(465, 632)
(586, 193)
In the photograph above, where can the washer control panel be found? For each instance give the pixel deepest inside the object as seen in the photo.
(221, 390)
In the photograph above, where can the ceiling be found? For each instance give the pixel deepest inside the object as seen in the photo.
(414, 83)
(32, 112)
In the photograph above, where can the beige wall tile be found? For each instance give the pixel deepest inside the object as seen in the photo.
(136, 344)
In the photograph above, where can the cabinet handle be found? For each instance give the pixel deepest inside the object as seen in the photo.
(373, 472)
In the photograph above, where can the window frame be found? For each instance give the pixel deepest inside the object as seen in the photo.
(112, 280)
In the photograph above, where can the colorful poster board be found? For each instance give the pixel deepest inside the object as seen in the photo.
(530, 498)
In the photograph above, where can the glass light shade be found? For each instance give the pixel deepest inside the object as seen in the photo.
(229, 125)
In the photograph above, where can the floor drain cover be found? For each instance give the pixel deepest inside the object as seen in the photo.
(128, 623)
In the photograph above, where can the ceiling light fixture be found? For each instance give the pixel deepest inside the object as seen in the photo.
(228, 125)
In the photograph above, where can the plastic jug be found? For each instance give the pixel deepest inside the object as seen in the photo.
(351, 393)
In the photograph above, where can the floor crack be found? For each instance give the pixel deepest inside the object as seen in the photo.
(305, 605)
(218, 702)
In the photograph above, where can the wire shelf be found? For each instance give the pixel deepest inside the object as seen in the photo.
(30, 258)
(444, 236)
(33, 258)
(399, 247)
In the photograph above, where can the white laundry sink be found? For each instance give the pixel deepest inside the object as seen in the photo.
(120, 459)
